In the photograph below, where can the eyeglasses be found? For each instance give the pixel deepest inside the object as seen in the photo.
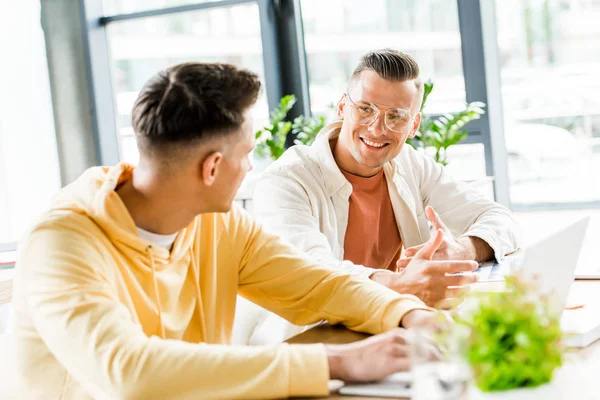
(365, 113)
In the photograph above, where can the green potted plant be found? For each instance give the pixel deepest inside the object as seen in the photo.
(514, 341)
(271, 139)
(435, 136)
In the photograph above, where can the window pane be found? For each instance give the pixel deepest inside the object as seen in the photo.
(467, 163)
(140, 48)
(338, 32)
(113, 7)
(29, 165)
(550, 54)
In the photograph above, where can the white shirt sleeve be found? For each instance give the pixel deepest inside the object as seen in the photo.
(466, 212)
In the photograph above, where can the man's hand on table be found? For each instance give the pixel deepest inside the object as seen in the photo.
(381, 355)
(426, 278)
(371, 359)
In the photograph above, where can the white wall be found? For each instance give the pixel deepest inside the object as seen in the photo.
(29, 169)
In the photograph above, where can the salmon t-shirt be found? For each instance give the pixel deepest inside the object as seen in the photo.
(372, 237)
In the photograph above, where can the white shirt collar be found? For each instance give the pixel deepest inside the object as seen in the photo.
(164, 241)
(334, 179)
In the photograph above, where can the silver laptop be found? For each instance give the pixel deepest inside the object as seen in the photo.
(552, 263)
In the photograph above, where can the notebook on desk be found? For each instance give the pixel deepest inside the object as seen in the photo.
(8, 255)
(8, 259)
(394, 386)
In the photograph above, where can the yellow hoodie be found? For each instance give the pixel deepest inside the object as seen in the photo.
(100, 313)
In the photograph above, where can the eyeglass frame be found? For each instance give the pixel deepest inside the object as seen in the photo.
(377, 107)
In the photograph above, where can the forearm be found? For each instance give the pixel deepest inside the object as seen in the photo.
(476, 249)
(394, 281)
(270, 267)
(185, 371)
(357, 303)
(122, 362)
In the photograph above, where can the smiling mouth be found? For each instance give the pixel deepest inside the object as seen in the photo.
(370, 143)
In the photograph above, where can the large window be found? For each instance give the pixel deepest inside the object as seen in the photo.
(112, 7)
(338, 32)
(550, 58)
(547, 50)
(29, 170)
(141, 47)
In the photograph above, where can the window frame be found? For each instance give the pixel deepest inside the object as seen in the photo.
(286, 72)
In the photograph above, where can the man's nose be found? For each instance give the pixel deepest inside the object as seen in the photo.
(377, 127)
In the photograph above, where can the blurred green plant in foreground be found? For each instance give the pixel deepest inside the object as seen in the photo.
(515, 337)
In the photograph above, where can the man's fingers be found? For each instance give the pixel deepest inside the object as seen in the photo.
(457, 292)
(411, 251)
(399, 350)
(435, 219)
(402, 263)
(426, 252)
(398, 335)
(454, 296)
(449, 303)
(399, 364)
(451, 266)
(459, 280)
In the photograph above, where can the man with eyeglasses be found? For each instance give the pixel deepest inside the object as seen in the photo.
(359, 196)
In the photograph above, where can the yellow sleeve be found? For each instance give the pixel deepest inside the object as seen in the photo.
(77, 314)
(276, 276)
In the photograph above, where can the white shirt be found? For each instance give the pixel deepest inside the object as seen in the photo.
(165, 241)
(304, 198)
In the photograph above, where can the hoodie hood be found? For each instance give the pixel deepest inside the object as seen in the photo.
(94, 195)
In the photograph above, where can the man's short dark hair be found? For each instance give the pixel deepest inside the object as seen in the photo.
(392, 65)
(192, 101)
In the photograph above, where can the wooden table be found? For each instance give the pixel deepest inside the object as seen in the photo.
(576, 379)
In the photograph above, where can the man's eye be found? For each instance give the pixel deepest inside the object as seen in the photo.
(397, 117)
(365, 109)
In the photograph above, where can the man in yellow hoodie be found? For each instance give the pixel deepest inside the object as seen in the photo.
(126, 287)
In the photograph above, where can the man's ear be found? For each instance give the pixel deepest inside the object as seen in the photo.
(210, 167)
(340, 107)
(415, 126)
